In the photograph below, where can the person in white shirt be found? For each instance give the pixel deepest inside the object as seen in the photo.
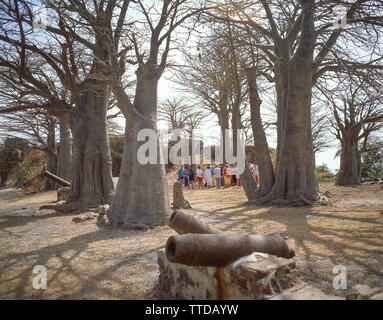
(237, 176)
(217, 175)
(199, 174)
(256, 173)
(207, 174)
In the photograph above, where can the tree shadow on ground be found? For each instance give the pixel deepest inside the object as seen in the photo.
(321, 239)
(66, 253)
(10, 221)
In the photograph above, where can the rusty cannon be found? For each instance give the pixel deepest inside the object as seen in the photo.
(219, 250)
(186, 223)
(57, 179)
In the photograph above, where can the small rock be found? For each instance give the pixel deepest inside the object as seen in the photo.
(29, 193)
(327, 194)
(362, 292)
(102, 209)
(323, 201)
(307, 292)
(378, 296)
(84, 216)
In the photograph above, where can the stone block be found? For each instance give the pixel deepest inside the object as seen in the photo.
(62, 193)
(257, 276)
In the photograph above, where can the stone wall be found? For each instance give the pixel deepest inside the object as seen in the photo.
(12, 153)
(257, 276)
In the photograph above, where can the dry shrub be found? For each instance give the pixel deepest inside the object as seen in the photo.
(35, 156)
(29, 174)
(324, 175)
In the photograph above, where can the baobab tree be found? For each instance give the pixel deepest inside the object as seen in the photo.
(357, 107)
(141, 198)
(182, 119)
(39, 131)
(215, 79)
(289, 38)
(34, 124)
(74, 49)
(180, 115)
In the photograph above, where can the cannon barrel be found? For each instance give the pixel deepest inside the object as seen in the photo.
(219, 250)
(186, 223)
(57, 179)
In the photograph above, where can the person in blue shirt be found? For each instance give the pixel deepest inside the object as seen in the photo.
(191, 177)
(181, 173)
(212, 175)
(186, 176)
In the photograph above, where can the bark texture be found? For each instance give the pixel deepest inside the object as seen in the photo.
(92, 182)
(349, 172)
(51, 154)
(64, 161)
(142, 197)
(249, 185)
(262, 154)
(296, 181)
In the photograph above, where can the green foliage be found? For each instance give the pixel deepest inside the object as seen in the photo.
(322, 168)
(324, 174)
(372, 161)
(273, 151)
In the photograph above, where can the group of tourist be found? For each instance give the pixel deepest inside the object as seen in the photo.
(213, 176)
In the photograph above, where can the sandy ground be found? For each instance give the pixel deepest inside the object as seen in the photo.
(84, 261)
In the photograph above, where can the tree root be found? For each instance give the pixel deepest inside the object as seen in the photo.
(135, 226)
(277, 200)
(70, 207)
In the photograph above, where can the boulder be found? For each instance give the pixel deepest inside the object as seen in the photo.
(62, 193)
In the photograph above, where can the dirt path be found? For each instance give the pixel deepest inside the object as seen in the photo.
(86, 262)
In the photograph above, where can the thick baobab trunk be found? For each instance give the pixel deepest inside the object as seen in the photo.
(236, 124)
(223, 118)
(349, 172)
(249, 185)
(262, 152)
(51, 154)
(296, 181)
(92, 182)
(51, 167)
(64, 161)
(278, 89)
(142, 196)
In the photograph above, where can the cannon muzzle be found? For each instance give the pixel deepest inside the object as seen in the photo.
(57, 179)
(186, 223)
(219, 250)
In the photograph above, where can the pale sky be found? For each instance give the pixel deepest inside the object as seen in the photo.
(166, 89)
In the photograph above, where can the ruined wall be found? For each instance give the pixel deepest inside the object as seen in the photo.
(13, 152)
(258, 276)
